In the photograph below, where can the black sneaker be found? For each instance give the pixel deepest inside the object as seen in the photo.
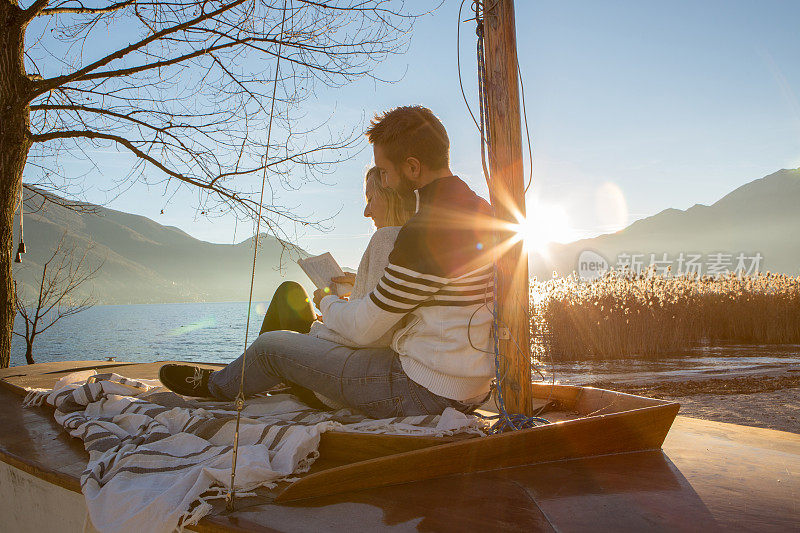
(187, 380)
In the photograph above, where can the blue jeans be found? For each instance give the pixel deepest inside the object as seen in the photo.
(370, 380)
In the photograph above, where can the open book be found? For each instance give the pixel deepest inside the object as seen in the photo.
(320, 269)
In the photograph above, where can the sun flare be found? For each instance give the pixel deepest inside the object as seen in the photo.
(545, 224)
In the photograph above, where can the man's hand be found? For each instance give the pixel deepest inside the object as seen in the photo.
(319, 294)
(348, 278)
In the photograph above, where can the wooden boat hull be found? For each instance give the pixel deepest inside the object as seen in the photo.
(641, 427)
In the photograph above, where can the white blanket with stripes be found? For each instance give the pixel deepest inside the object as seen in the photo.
(156, 457)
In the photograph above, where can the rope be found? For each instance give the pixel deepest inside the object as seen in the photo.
(239, 401)
(505, 421)
(21, 248)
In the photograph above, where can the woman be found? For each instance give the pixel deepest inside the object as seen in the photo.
(291, 308)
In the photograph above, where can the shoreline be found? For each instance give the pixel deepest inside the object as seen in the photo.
(771, 402)
(771, 410)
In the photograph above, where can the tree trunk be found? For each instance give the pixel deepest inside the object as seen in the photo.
(29, 352)
(14, 146)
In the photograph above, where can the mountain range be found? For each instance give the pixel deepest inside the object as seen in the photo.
(757, 222)
(146, 262)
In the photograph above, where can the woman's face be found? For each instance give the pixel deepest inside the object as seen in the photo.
(377, 208)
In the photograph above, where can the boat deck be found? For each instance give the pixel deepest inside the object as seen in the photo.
(708, 475)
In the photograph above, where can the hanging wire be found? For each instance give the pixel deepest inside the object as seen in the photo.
(483, 100)
(239, 401)
(527, 131)
(476, 8)
(458, 59)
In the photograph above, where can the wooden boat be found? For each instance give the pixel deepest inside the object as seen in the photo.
(598, 466)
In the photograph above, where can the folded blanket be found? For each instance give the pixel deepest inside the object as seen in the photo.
(156, 457)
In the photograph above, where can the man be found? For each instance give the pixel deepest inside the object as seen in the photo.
(438, 283)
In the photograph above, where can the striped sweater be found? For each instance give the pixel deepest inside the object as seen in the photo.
(439, 284)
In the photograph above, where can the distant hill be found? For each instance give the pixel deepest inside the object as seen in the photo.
(145, 262)
(761, 217)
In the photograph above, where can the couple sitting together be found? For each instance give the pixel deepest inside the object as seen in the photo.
(414, 337)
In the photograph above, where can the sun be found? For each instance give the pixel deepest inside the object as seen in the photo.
(545, 224)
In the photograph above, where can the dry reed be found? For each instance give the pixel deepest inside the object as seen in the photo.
(627, 314)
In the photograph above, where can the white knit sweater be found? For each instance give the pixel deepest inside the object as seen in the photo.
(370, 269)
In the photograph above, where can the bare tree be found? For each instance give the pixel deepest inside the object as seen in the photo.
(189, 97)
(62, 275)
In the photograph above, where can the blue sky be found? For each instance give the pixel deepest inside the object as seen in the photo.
(633, 107)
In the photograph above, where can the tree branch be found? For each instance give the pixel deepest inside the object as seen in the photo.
(57, 284)
(86, 10)
(99, 111)
(159, 64)
(46, 197)
(211, 185)
(35, 8)
(87, 134)
(52, 83)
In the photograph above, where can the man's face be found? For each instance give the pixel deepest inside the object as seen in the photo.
(393, 177)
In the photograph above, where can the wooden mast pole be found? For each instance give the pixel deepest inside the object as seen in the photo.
(507, 192)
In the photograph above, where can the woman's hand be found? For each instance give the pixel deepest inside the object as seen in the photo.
(319, 294)
(349, 278)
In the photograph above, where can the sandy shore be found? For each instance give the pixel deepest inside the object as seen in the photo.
(773, 410)
(767, 402)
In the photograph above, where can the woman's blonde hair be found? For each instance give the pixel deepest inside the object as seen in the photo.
(400, 207)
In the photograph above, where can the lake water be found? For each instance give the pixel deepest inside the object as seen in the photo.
(699, 363)
(214, 332)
